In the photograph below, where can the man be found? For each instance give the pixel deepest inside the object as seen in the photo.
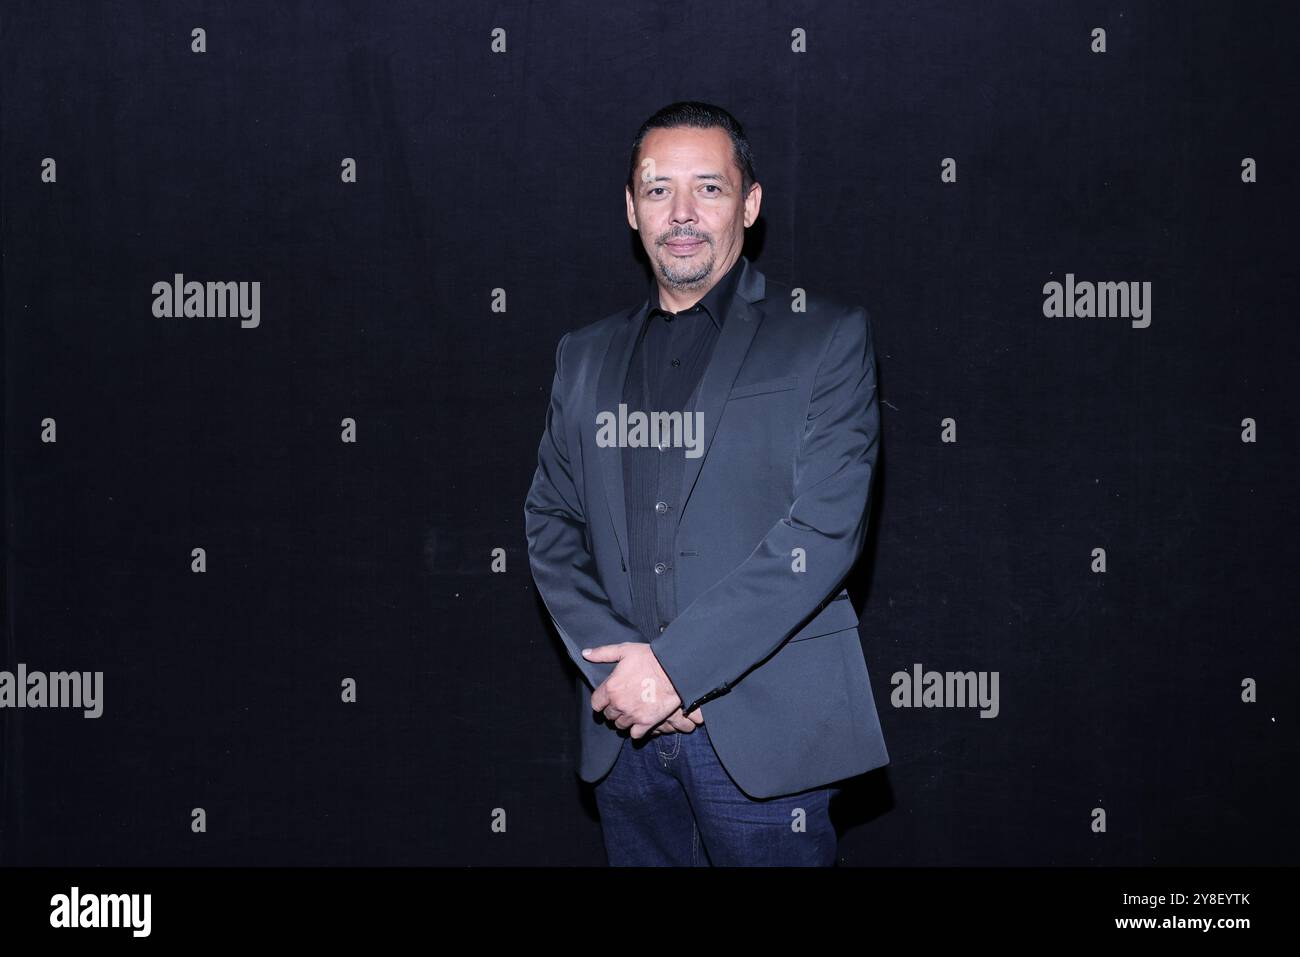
(701, 493)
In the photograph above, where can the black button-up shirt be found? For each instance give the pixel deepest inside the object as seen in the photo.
(668, 363)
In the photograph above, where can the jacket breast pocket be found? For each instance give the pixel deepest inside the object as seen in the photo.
(764, 387)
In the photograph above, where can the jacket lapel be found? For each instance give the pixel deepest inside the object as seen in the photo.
(609, 393)
(728, 355)
(724, 364)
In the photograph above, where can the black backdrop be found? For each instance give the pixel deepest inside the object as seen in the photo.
(480, 170)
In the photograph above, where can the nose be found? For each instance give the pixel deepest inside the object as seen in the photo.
(683, 210)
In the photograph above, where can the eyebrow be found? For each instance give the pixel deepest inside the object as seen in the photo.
(717, 176)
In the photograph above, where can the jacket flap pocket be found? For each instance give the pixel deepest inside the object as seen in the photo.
(767, 385)
(837, 616)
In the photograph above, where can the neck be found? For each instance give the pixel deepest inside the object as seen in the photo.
(675, 301)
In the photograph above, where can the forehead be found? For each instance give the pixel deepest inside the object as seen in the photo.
(685, 150)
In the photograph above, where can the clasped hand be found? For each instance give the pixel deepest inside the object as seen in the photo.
(637, 695)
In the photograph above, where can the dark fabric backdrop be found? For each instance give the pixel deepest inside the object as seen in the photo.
(480, 170)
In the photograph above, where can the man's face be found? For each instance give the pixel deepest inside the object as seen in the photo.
(688, 206)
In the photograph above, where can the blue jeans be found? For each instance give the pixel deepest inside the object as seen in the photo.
(669, 802)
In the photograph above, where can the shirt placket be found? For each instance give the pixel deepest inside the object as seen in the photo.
(668, 474)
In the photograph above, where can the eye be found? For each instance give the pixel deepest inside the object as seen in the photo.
(712, 186)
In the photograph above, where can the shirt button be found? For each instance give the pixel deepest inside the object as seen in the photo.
(659, 568)
(676, 363)
(661, 507)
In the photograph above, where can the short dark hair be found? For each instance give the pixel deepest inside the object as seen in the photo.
(702, 116)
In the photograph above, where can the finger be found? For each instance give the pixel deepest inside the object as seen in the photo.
(604, 653)
(680, 722)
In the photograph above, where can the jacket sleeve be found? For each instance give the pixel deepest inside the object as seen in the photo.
(744, 617)
(563, 568)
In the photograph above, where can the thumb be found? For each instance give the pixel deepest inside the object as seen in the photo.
(604, 653)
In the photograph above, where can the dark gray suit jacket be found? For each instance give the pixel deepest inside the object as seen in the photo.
(773, 516)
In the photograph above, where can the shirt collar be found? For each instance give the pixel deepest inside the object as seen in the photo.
(716, 301)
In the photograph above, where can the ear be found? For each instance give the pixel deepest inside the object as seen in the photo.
(631, 208)
(752, 203)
